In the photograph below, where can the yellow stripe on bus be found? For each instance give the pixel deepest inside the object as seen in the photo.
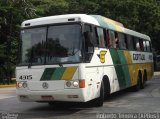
(134, 68)
(112, 21)
(117, 26)
(68, 73)
(131, 67)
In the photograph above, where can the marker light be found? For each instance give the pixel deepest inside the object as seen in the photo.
(82, 83)
(68, 84)
(24, 85)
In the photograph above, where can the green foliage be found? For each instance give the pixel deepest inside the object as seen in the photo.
(12, 13)
(83, 6)
(50, 7)
(140, 15)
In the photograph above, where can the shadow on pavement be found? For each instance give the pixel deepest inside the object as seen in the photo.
(69, 108)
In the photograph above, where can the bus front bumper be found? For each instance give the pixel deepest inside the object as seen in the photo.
(70, 95)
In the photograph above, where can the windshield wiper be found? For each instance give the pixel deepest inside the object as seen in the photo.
(60, 64)
(73, 53)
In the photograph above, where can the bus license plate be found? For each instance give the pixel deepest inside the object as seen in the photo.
(47, 98)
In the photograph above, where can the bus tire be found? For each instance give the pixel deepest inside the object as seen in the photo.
(138, 85)
(106, 85)
(144, 80)
(99, 101)
(51, 103)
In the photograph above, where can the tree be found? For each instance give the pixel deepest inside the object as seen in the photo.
(12, 12)
(50, 7)
(142, 16)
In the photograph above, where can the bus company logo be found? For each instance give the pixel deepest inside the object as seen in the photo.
(138, 57)
(102, 56)
(45, 85)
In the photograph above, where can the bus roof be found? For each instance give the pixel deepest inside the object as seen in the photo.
(60, 19)
(91, 19)
(116, 26)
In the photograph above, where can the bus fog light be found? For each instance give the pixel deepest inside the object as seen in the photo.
(23, 96)
(24, 85)
(75, 84)
(68, 84)
(19, 84)
(73, 96)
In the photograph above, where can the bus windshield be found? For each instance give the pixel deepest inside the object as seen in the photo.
(51, 45)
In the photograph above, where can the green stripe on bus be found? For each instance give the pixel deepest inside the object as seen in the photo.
(52, 74)
(47, 74)
(121, 68)
(125, 68)
(58, 73)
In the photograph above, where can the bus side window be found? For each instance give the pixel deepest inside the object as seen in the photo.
(106, 37)
(136, 43)
(100, 34)
(95, 39)
(111, 38)
(148, 46)
(90, 28)
(122, 42)
(141, 44)
(126, 41)
(144, 44)
(89, 42)
(130, 42)
(116, 40)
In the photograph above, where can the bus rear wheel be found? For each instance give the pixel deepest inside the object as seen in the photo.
(144, 81)
(139, 82)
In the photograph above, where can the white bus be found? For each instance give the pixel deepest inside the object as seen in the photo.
(79, 57)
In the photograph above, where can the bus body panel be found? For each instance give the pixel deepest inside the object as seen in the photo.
(55, 82)
(76, 95)
(93, 74)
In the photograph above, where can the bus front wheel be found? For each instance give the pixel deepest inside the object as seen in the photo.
(99, 101)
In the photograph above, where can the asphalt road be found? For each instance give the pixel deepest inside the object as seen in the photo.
(143, 104)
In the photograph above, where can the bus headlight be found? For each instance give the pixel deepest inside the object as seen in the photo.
(21, 84)
(75, 84)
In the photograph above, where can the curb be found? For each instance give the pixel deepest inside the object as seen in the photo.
(7, 86)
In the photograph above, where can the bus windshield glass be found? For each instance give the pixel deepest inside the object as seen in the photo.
(51, 45)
